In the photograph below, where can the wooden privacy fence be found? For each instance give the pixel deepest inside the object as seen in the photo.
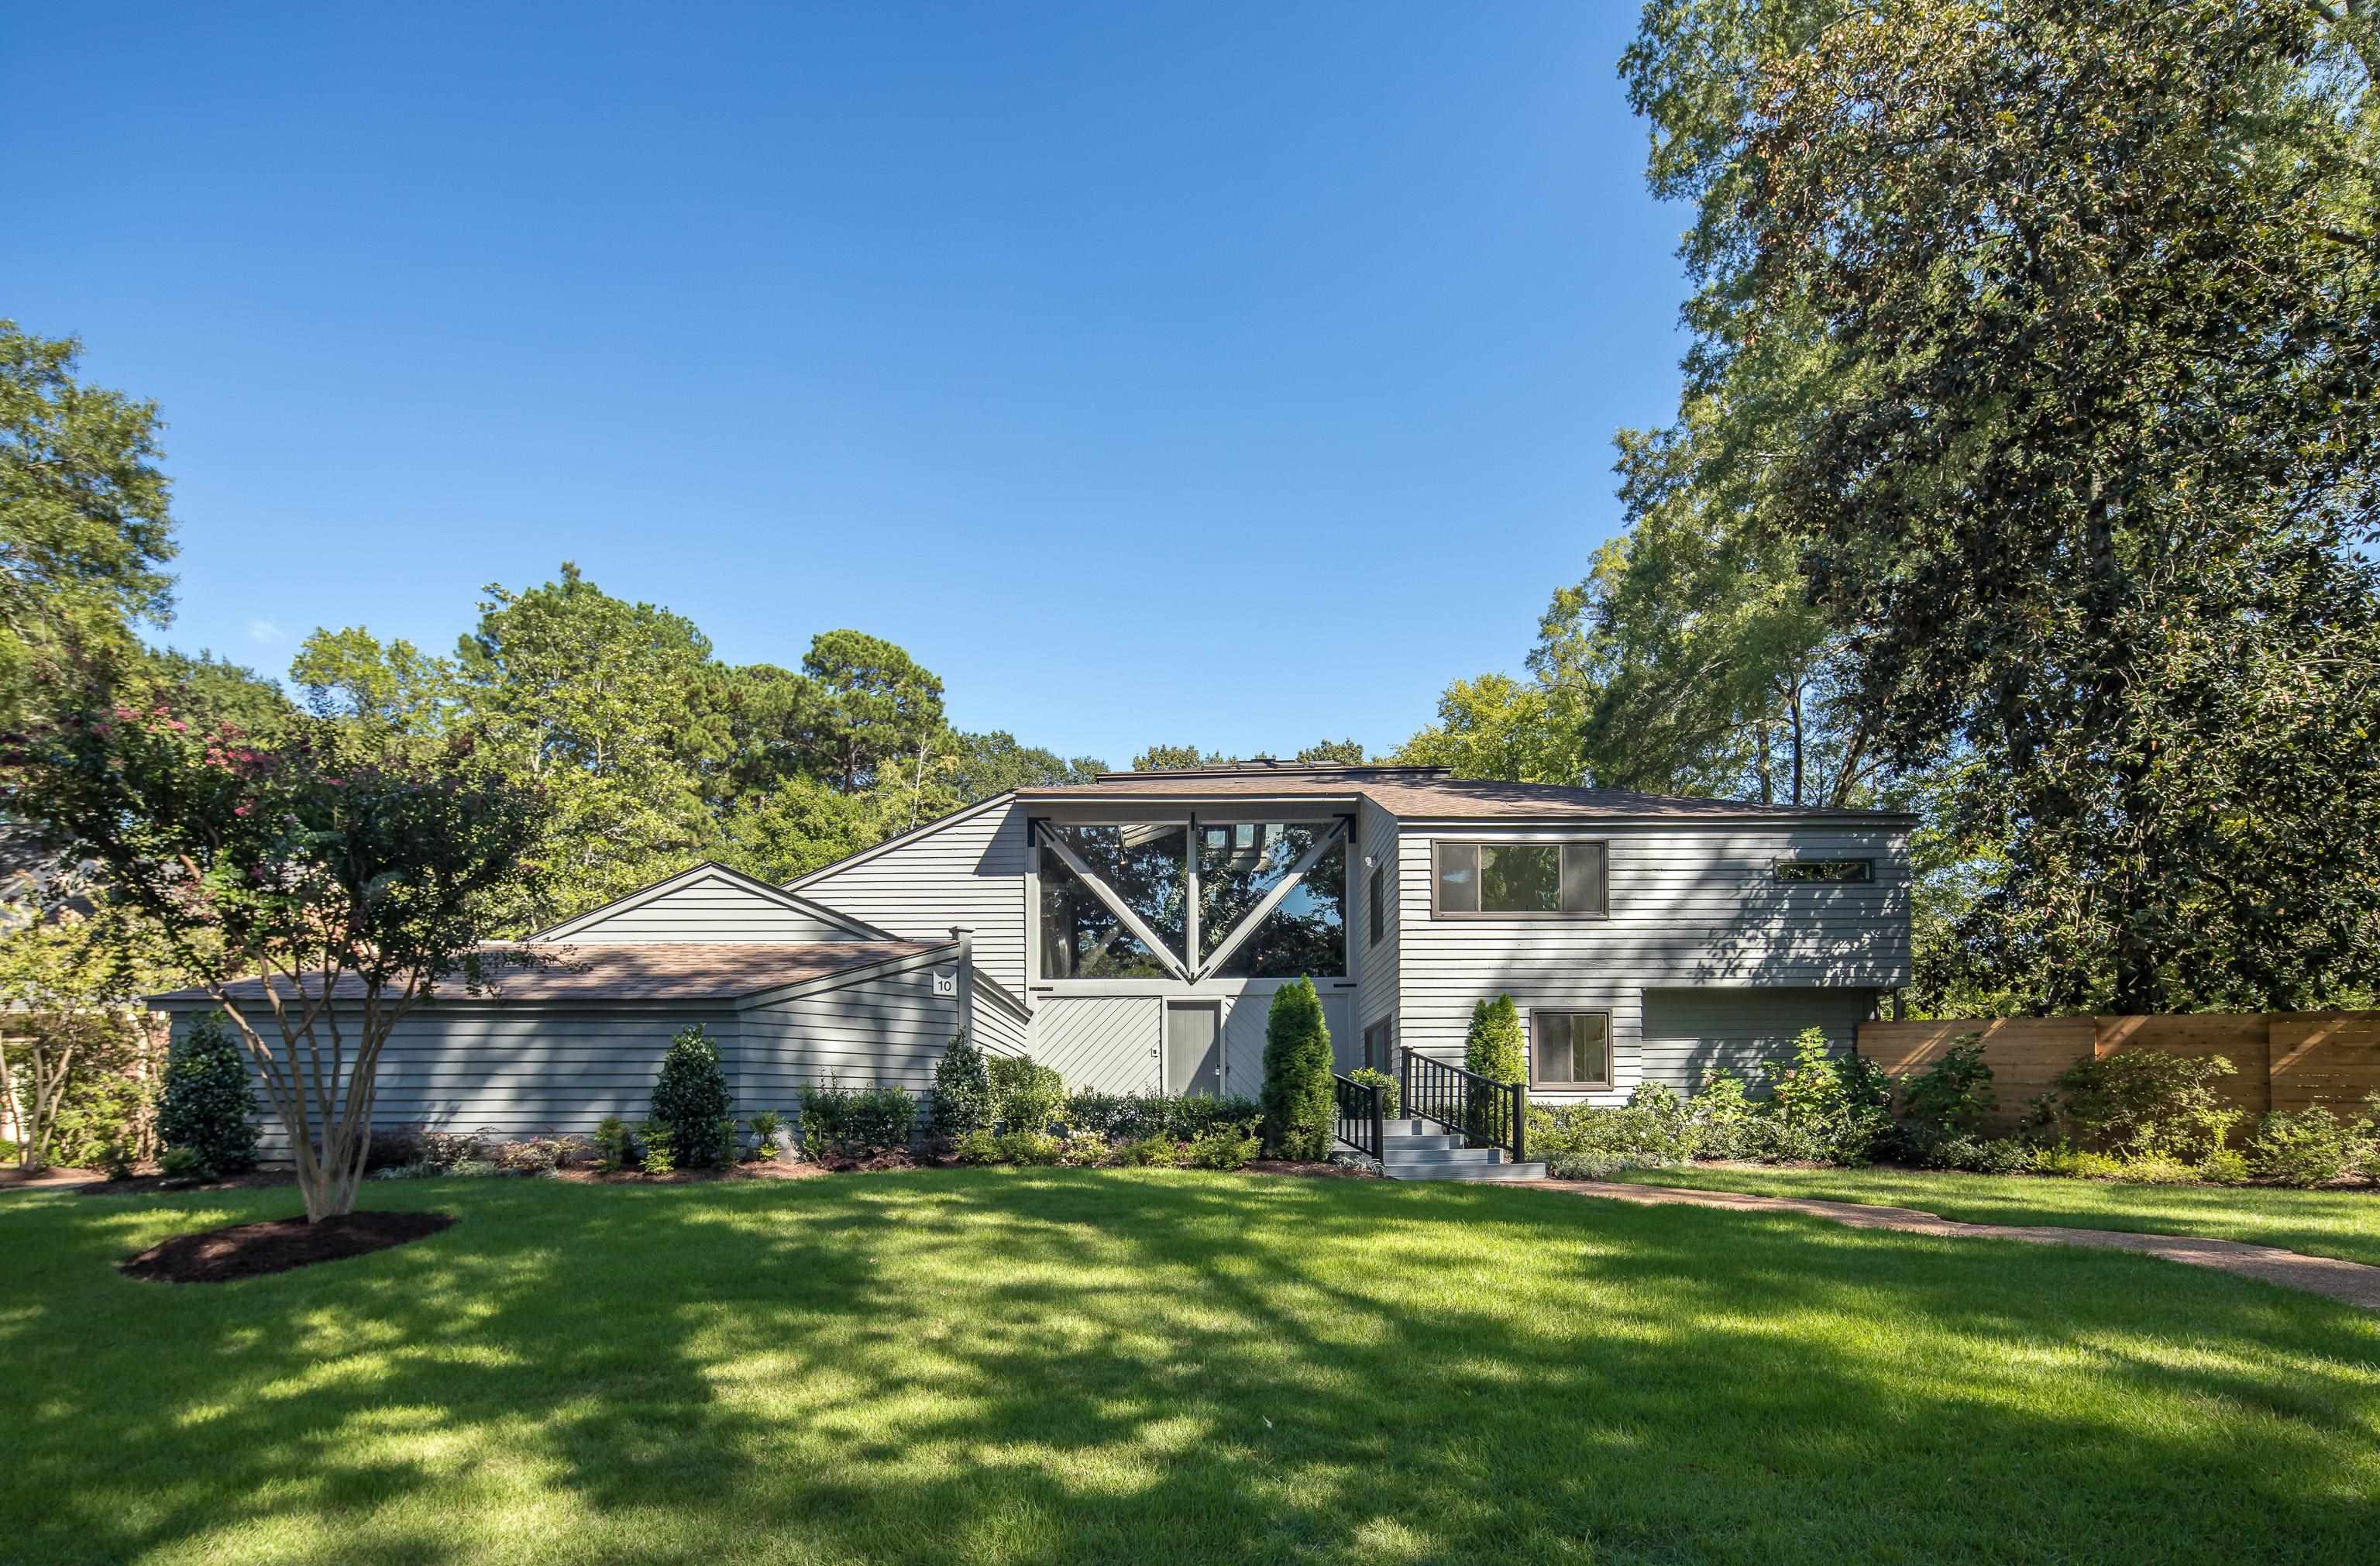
(2287, 1060)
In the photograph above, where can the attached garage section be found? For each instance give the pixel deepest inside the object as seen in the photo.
(555, 1050)
(1690, 1032)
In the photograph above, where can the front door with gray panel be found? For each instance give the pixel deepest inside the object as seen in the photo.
(1194, 1048)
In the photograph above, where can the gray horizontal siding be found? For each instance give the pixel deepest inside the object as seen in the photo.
(967, 872)
(713, 908)
(1687, 1033)
(1691, 908)
(888, 1031)
(513, 1075)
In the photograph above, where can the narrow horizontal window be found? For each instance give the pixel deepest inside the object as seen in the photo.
(1569, 1049)
(1841, 870)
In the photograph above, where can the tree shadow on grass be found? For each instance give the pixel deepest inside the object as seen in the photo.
(1065, 1366)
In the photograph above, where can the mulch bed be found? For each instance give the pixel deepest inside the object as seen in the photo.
(1322, 1171)
(251, 1250)
(157, 1185)
(775, 1169)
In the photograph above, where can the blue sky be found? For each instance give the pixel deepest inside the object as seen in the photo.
(1192, 373)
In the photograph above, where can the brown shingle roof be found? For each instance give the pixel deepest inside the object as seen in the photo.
(661, 970)
(1424, 793)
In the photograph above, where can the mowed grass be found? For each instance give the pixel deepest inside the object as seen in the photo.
(1158, 1366)
(2344, 1224)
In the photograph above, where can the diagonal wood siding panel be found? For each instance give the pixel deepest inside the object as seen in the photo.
(1100, 1043)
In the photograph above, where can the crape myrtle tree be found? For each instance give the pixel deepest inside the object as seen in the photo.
(2047, 334)
(349, 880)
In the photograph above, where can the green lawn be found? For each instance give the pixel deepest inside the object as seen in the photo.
(2343, 1223)
(1157, 1367)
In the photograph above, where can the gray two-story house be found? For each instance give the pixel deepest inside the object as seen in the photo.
(1131, 931)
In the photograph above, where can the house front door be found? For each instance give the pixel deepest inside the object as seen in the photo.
(1194, 1048)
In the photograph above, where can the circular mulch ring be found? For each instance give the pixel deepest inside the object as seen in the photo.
(251, 1250)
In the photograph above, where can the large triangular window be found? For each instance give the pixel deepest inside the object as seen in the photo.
(1157, 900)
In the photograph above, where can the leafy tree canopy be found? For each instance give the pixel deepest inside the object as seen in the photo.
(2040, 338)
(85, 528)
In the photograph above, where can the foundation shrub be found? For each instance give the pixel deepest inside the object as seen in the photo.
(690, 1097)
(660, 1148)
(1026, 1094)
(530, 1155)
(183, 1163)
(962, 1089)
(975, 1147)
(765, 1125)
(1826, 1109)
(1391, 1091)
(209, 1104)
(1224, 1146)
(1127, 1117)
(1035, 1149)
(1591, 1142)
(1151, 1152)
(1084, 1150)
(442, 1151)
(835, 1119)
(397, 1147)
(616, 1145)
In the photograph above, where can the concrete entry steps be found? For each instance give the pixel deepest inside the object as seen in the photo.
(1420, 1149)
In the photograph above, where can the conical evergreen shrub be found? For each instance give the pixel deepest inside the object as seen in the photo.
(1299, 1110)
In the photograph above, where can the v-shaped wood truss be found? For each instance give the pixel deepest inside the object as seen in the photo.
(1116, 906)
(1156, 943)
(1271, 900)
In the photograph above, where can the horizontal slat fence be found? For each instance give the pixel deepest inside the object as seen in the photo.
(2287, 1060)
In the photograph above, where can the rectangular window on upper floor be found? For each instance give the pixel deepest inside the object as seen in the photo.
(1378, 897)
(1519, 880)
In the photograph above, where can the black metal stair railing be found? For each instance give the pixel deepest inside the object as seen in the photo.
(1362, 1124)
(1484, 1114)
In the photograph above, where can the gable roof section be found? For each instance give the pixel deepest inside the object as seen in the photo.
(656, 970)
(694, 875)
(963, 814)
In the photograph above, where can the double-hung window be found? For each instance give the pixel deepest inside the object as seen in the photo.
(1519, 880)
